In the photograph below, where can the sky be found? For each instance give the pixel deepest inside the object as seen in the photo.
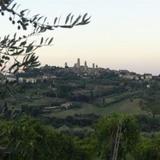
(123, 34)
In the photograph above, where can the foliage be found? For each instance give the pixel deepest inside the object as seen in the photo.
(27, 139)
(106, 131)
(148, 148)
(19, 50)
(151, 101)
(88, 145)
(148, 123)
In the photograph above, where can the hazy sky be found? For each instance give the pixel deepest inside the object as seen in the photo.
(123, 34)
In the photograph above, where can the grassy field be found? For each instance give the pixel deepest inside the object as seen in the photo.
(114, 103)
(125, 106)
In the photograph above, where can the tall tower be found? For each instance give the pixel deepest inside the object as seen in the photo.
(78, 62)
(66, 65)
(85, 63)
(93, 65)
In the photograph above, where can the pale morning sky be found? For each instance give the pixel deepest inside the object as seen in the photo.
(123, 34)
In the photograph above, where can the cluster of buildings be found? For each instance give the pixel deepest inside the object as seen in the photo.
(83, 69)
(10, 78)
(134, 76)
(47, 73)
(78, 65)
(124, 74)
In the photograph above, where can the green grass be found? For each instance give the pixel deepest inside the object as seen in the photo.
(113, 104)
(125, 106)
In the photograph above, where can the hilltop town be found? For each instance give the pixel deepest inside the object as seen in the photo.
(83, 71)
(56, 91)
(79, 110)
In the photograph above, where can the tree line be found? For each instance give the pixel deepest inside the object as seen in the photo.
(28, 139)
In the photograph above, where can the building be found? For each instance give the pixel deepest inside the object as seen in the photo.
(148, 76)
(124, 71)
(93, 65)
(85, 64)
(65, 65)
(20, 80)
(30, 80)
(78, 63)
(127, 76)
(142, 77)
(67, 105)
(11, 78)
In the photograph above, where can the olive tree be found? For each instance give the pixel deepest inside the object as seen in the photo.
(17, 52)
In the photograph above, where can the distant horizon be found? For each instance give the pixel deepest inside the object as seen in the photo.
(122, 34)
(99, 66)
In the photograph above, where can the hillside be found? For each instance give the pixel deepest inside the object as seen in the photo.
(55, 94)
